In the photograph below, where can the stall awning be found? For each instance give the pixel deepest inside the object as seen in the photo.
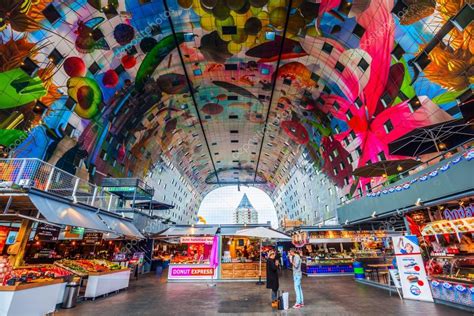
(64, 214)
(189, 231)
(121, 227)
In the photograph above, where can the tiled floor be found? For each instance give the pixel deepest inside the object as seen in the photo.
(152, 295)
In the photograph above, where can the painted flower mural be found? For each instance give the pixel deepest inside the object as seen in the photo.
(230, 91)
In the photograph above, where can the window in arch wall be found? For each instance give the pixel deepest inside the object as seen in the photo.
(218, 207)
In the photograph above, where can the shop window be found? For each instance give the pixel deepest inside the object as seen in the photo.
(381, 156)
(398, 52)
(358, 103)
(386, 100)
(55, 56)
(349, 115)
(327, 48)
(232, 98)
(29, 66)
(233, 117)
(230, 66)
(358, 30)
(388, 126)
(229, 30)
(94, 68)
(110, 11)
(336, 106)
(414, 104)
(339, 67)
(51, 14)
(363, 64)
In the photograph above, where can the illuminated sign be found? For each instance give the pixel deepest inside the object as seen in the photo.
(191, 272)
(460, 213)
(197, 240)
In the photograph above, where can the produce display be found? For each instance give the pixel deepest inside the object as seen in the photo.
(84, 267)
(5, 270)
(29, 274)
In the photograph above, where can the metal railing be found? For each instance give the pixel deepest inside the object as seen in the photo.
(128, 182)
(459, 150)
(40, 175)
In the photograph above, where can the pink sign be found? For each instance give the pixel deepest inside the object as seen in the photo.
(191, 272)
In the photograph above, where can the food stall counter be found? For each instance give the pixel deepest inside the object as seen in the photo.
(323, 267)
(189, 272)
(41, 298)
(242, 270)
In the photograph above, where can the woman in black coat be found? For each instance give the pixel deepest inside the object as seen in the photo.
(272, 275)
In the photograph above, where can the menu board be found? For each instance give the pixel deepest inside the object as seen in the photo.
(411, 268)
(72, 233)
(92, 237)
(45, 232)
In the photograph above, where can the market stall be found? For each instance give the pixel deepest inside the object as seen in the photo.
(98, 277)
(332, 251)
(240, 258)
(195, 254)
(447, 235)
(31, 290)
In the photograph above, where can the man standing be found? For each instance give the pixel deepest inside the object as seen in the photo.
(297, 275)
(272, 275)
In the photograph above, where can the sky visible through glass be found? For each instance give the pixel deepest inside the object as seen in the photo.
(217, 207)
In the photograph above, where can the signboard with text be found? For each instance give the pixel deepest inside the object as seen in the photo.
(411, 268)
(45, 232)
(196, 240)
(184, 272)
(91, 238)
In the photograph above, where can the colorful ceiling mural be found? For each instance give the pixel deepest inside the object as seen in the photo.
(231, 91)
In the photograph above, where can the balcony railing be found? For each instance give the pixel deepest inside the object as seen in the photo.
(467, 146)
(40, 175)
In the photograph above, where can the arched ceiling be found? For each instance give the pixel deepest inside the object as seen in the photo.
(212, 86)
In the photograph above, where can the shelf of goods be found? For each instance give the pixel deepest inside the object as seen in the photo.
(103, 277)
(452, 290)
(328, 267)
(30, 290)
(242, 270)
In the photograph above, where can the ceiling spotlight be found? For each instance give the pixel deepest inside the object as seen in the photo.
(374, 214)
(461, 203)
(399, 168)
(442, 146)
(384, 175)
(441, 207)
(419, 202)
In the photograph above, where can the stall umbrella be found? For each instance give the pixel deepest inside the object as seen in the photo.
(262, 233)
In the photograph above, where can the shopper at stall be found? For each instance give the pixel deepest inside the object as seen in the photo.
(272, 275)
(295, 260)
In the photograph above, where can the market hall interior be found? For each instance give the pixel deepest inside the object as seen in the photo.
(150, 148)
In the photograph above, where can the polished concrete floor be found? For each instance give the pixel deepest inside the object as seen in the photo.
(152, 295)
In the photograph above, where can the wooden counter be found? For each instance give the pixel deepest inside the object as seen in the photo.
(244, 270)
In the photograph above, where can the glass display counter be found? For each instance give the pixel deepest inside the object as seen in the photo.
(328, 266)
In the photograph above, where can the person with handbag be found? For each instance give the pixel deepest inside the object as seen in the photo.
(272, 278)
(295, 260)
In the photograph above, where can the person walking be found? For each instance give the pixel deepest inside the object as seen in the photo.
(272, 275)
(295, 259)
